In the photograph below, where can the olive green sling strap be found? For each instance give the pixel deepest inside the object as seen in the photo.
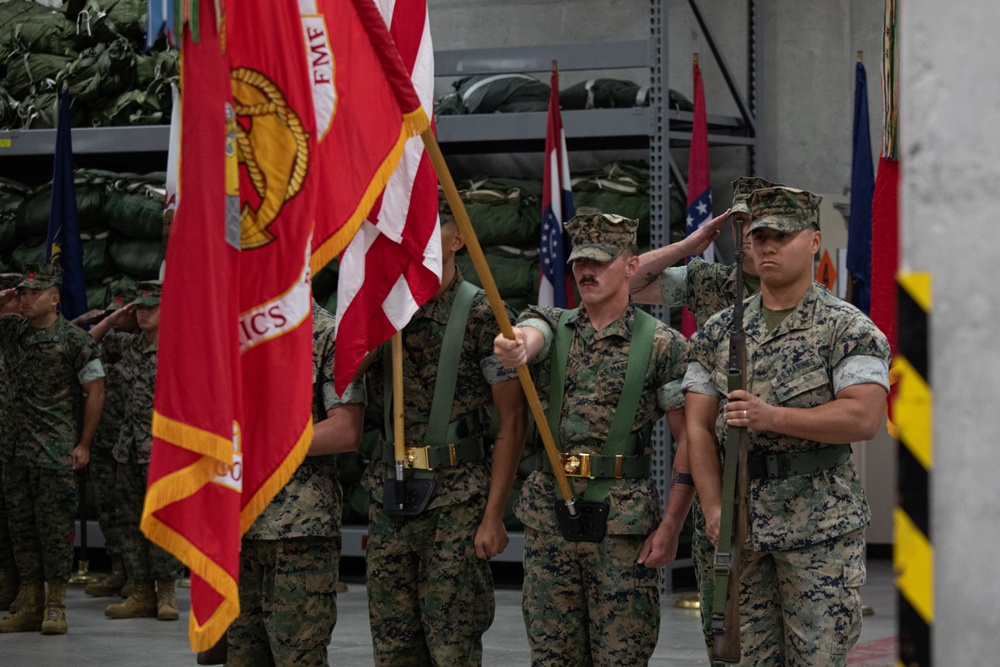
(619, 440)
(440, 430)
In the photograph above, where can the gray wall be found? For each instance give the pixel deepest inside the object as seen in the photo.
(949, 114)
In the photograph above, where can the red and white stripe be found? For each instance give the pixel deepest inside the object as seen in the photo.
(393, 264)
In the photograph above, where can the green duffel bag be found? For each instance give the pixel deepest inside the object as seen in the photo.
(490, 93)
(102, 72)
(41, 112)
(139, 258)
(96, 260)
(48, 32)
(8, 110)
(12, 193)
(32, 73)
(515, 270)
(102, 21)
(33, 213)
(502, 211)
(31, 251)
(97, 295)
(12, 14)
(604, 94)
(135, 209)
(158, 65)
(450, 105)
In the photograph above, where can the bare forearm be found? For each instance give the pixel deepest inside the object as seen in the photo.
(339, 433)
(702, 447)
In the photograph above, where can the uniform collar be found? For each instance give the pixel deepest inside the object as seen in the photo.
(621, 327)
(802, 317)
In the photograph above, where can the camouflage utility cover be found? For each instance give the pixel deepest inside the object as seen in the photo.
(822, 346)
(743, 187)
(599, 236)
(784, 209)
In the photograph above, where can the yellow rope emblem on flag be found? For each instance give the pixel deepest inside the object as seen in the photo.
(274, 148)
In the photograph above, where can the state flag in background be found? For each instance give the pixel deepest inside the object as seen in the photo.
(699, 193)
(62, 242)
(393, 265)
(287, 137)
(555, 286)
(859, 227)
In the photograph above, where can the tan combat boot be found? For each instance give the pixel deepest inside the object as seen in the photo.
(10, 585)
(127, 588)
(141, 604)
(111, 584)
(54, 620)
(28, 617)
(166, 601)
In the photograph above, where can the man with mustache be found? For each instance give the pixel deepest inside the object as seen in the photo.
(596, 602)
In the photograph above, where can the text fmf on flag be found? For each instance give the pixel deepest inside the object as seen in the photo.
(289, 110)
(555, 284)
(393, 265)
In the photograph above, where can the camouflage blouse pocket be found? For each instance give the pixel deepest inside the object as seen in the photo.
(804, 390)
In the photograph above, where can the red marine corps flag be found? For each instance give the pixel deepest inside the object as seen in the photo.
(290, 128)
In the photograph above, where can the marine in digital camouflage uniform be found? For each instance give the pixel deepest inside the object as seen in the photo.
(152, 569)
(103, 469)
(290, 557)
(817, 377)
(9, 578)
(598, 603)
(56, 407)
(430, 589)
(706, 288)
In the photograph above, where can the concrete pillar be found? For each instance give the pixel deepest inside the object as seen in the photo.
(949, 119)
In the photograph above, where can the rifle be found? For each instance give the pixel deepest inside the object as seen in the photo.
(732, 527)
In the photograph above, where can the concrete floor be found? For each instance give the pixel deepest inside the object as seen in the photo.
(95, 640)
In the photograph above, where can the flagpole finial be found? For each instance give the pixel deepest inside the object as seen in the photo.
(695, 57)
(860, 54)
(555, 66)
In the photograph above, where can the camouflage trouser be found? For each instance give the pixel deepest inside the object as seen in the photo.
(430, 599)
(288, 602)
(703, 555)
(589, 603)
(102, 470)
(41, 507)
(144, 561)
(6, 546)
(801, 607)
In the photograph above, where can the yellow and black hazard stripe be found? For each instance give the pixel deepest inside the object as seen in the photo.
(913, 550)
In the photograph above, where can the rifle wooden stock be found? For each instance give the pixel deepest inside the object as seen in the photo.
(733, 526)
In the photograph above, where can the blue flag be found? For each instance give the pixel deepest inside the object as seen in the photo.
(859, 226)
(62, 243)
